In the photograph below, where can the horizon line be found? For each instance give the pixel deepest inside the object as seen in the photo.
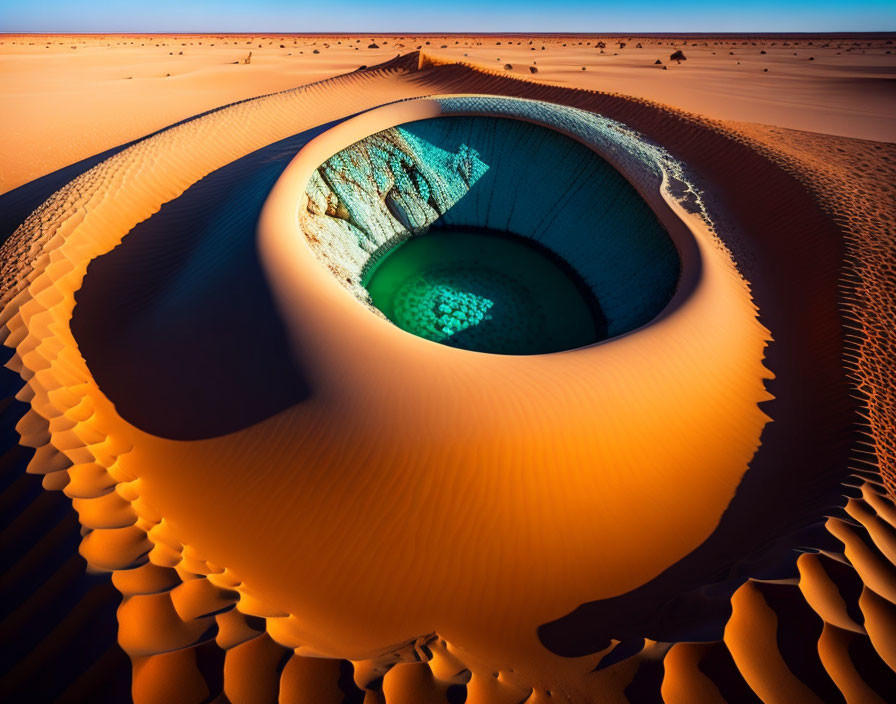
(459, 33)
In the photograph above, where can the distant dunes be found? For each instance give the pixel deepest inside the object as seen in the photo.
(299, 502)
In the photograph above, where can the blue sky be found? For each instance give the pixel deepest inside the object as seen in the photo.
(446, 16)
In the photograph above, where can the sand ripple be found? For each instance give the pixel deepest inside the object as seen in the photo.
(431, 514)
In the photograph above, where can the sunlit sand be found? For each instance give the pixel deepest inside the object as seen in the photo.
(394, 374)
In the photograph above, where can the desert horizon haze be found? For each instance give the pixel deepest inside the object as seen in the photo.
(481, 366)
(497, 16)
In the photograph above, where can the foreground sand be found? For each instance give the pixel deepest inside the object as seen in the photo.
(815, 236)
(65, 98)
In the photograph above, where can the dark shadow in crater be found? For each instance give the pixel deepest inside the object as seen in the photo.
(497, 292)
(543, 193)
(178, 325)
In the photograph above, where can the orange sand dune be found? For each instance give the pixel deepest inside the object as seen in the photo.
(117, 88)
(518, 528)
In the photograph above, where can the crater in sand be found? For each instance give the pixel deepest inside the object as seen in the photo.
(484, 291)
(491, 234)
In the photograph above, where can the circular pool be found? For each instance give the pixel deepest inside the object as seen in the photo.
(484, 291)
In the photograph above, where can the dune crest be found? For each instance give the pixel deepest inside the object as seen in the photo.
(450, 615)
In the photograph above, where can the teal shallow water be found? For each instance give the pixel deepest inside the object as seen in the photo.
(478, 174)
(485, 292)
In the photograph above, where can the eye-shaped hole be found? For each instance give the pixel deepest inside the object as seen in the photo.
(686, 446)
(490, 234)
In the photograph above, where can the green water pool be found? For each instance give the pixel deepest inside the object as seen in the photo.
(484, 291)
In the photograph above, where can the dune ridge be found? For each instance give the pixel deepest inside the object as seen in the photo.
(83, 449)
(157, 80)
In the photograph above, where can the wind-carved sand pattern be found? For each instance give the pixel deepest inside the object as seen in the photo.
(410, 522)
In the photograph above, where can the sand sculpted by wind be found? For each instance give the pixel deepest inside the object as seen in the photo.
(298, 500)
(117, 88)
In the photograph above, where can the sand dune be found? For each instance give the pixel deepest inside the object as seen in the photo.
(619, 522)
(118, 88)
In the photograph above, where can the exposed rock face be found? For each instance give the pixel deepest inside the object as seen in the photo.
(678, 56)
(383, 189)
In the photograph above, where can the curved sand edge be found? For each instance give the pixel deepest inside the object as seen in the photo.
(83, 430)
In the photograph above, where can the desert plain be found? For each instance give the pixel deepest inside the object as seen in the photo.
(117, 88)
(699, 508)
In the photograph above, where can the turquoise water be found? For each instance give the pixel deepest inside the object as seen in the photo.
(576, 222)
(484, 291)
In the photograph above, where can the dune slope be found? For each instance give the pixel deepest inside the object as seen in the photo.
(209, 561)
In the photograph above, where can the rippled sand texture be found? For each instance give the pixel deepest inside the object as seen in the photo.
(617, 523)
